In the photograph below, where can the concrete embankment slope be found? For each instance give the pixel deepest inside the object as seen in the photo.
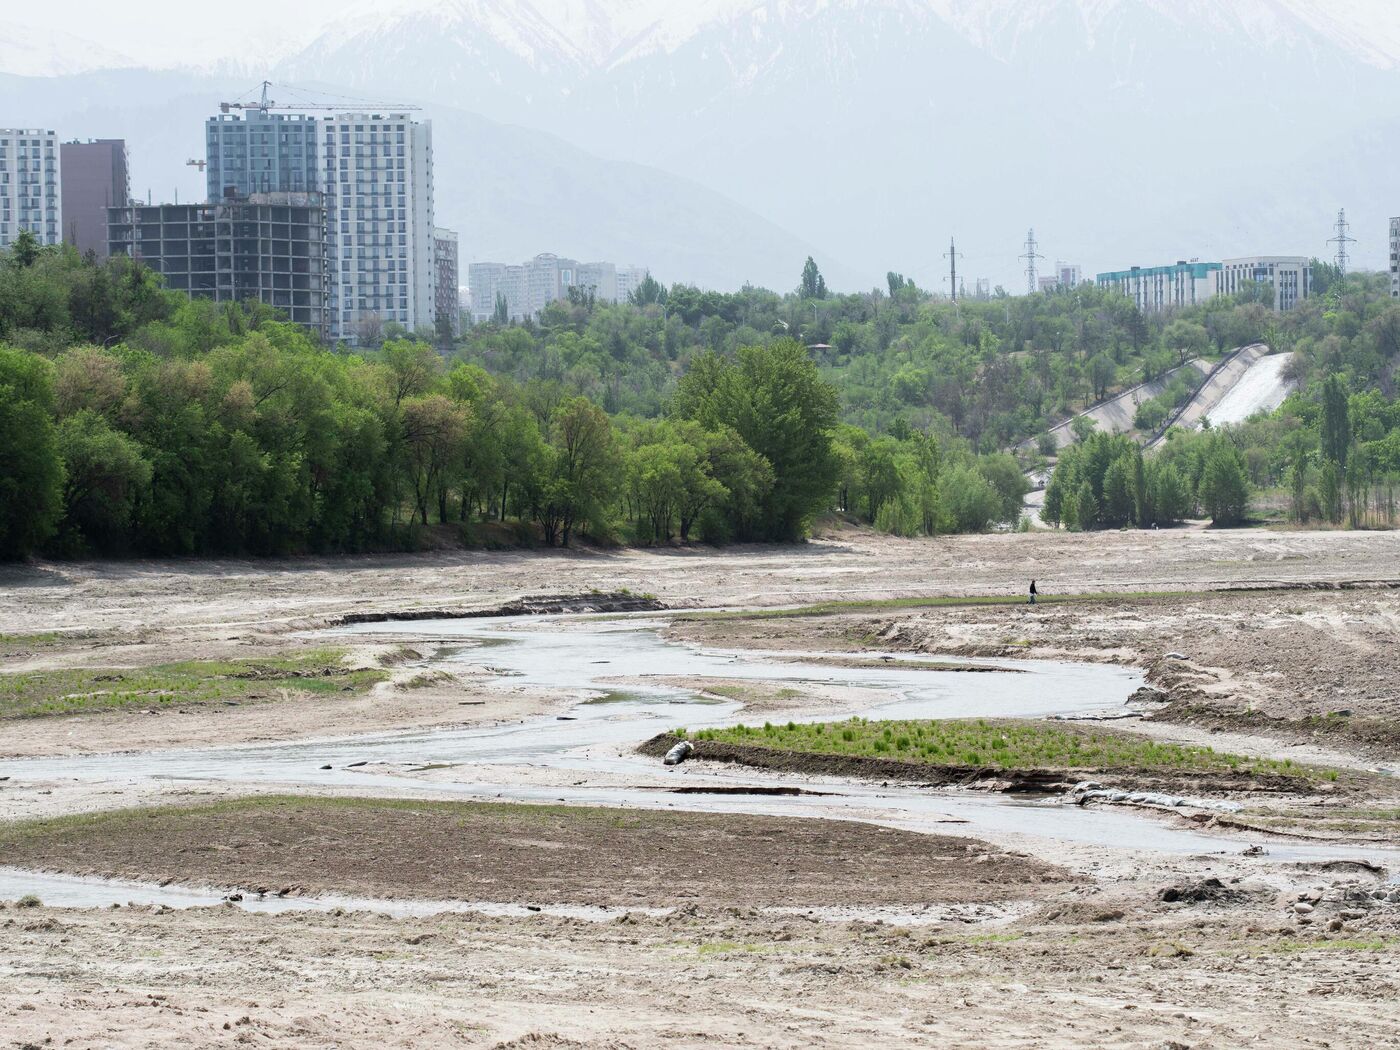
(1252, 380)
(1115, 416)
(1261, 389)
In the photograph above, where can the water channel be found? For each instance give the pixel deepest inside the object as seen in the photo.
(612, 668)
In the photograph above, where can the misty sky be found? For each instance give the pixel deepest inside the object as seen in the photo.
(151, 30)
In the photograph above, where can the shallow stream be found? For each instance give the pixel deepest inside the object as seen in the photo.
(586, 755)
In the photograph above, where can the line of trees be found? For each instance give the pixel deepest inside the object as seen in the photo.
(1105, 481)
(134, 420)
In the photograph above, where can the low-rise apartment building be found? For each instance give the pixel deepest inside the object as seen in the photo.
(1158, 288)
(1290, 275)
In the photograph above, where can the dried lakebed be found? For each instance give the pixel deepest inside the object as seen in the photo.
(621, 672)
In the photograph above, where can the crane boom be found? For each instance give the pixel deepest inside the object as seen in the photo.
(265, 103)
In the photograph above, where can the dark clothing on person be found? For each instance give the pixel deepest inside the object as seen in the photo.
(1033, 593)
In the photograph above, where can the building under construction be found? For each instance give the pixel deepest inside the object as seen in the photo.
(268, 246)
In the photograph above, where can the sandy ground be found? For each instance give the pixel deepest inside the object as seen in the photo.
(1198, 975)
(1100, 960)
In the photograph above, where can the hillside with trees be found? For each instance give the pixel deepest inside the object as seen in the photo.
(137, 421)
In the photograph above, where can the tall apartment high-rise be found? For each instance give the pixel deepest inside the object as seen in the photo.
(260, 152)
(377, 177)
(447, 304)
(94, 178)
(29, 185)
(1395, 258)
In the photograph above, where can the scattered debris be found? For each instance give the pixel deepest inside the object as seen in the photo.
(536, 605)
(1092, 792)
(679, 753)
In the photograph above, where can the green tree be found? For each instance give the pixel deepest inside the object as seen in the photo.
(1224, 488)
(813, 285)
(1007, 479)
(1086, 509)
(31, 472)
(969, 500)
(776, 401)
(583, 469)
(1117, 508)
(649, 292)
(435, 429)
(1187, 338)
(106, 474)
(26, 248)
(1336, 428)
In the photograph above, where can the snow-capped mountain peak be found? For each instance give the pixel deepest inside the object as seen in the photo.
(30, 52)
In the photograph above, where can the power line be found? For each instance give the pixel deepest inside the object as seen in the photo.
(1031, 256)
(1343, 258)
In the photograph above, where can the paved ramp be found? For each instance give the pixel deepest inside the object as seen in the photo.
(1249, 381)
(1261, 389)
(1115, 416)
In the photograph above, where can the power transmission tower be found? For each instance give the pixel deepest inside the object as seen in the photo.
(952, 256)
(1032, 286)
(1343, 257)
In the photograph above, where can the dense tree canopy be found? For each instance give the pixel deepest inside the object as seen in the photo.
(136, 420)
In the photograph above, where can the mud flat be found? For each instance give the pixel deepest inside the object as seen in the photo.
(1283, 930)
(527, 854)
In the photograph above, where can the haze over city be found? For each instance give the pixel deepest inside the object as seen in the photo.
(682, 127)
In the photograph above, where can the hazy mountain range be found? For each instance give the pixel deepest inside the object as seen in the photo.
(714, 140)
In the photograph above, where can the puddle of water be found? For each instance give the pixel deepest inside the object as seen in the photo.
(77, 891)
(621, 696)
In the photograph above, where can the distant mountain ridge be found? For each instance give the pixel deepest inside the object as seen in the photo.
(1126, 131)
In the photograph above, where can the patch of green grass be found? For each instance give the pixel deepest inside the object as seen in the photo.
(34, 694)
(887, 604)
(981, 744)
(1291, 947)
(740, 691)
(44, 638)
(993, 938)
(24, 644)
(730, 948)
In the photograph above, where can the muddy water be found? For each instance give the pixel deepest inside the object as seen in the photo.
(609, 666)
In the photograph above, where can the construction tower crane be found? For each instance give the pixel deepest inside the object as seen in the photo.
(264, 104)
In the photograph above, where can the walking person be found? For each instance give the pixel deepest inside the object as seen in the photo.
(1033, 593)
